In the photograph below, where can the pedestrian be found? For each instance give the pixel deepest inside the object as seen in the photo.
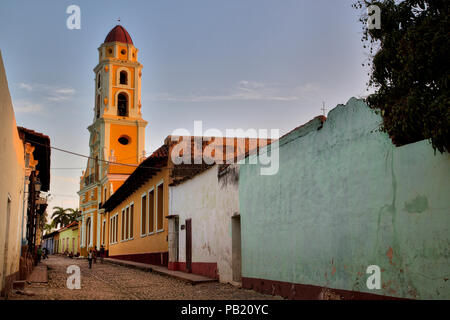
(102, 253)
(45, 253)
(38, 255)
(90, 255)
(95, 255)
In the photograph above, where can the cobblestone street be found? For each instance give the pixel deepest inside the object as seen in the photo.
(109, 281)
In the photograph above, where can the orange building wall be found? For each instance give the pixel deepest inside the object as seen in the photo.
(124, 154)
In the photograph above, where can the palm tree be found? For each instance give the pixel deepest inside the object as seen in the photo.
(48, 228)
(74, 214)
(60, 217)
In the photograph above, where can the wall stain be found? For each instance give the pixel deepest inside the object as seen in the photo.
(419, 204)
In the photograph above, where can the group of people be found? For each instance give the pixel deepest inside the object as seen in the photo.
(42, 253)
(94, 253)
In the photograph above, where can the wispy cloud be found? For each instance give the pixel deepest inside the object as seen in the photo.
(247, 91)
(51, 93)
(27, 107)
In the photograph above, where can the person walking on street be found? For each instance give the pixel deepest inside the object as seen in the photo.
(90, 256)
(102, 253)
(94, 252)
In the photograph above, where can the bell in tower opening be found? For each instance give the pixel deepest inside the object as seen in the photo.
(122, 105)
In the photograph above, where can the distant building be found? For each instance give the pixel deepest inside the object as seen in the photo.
(48, 242)
(68, 237)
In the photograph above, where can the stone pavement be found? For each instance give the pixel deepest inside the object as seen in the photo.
(188, 277)
(39, 274)
(114, 282)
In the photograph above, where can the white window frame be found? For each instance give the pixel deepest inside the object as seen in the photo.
(156, 205)
(118, 84)
(122, 225)
(113, 228)
(148, 211)
(129, 221)
(146, 215)
(116, 228)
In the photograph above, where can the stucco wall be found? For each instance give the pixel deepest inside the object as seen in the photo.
(153, 242)
(210, 202)
(72, 235)
(346, 198)
(11, 182)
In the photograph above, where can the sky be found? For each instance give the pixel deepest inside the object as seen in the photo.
(262, 64)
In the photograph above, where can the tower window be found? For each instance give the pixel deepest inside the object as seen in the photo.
(123, 77)
(123, 51)
(97, 107)
(124, 140)
(98, 81)
(122, 105)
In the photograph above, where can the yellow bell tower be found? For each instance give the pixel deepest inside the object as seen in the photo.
(117, 134)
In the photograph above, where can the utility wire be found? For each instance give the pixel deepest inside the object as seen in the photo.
(88, 157)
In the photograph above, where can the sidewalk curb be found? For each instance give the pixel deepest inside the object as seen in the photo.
(186, 277)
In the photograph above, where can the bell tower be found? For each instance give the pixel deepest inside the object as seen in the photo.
(117, 133)
(118, 100)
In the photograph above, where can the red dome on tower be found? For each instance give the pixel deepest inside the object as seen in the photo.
(119, 34)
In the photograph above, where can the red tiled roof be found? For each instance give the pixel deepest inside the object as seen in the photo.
(148, 168)
(72, 224)
(118, 34)
(233, 148)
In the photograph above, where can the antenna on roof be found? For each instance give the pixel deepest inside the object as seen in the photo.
(323, 108)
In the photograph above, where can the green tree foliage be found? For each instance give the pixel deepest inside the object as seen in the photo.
(62, 217)
(409, 61)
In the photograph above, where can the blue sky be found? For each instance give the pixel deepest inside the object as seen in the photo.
(259, 64)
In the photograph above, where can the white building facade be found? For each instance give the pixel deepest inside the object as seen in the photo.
(204, 224)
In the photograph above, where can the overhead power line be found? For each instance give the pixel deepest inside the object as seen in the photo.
(88, 157)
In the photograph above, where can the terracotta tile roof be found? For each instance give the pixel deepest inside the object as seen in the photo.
(238, 148)
(233, 150)
(72, 224)
(148, 168)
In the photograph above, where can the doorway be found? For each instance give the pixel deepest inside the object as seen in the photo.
(236, 248)
(188, 245)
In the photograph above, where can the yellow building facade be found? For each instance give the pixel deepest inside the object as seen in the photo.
(134, 224)
(117, 134)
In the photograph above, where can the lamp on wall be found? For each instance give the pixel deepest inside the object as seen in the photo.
(37, 185)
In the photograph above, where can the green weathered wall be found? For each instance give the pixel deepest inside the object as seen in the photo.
(70, 234)
(346, 198)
